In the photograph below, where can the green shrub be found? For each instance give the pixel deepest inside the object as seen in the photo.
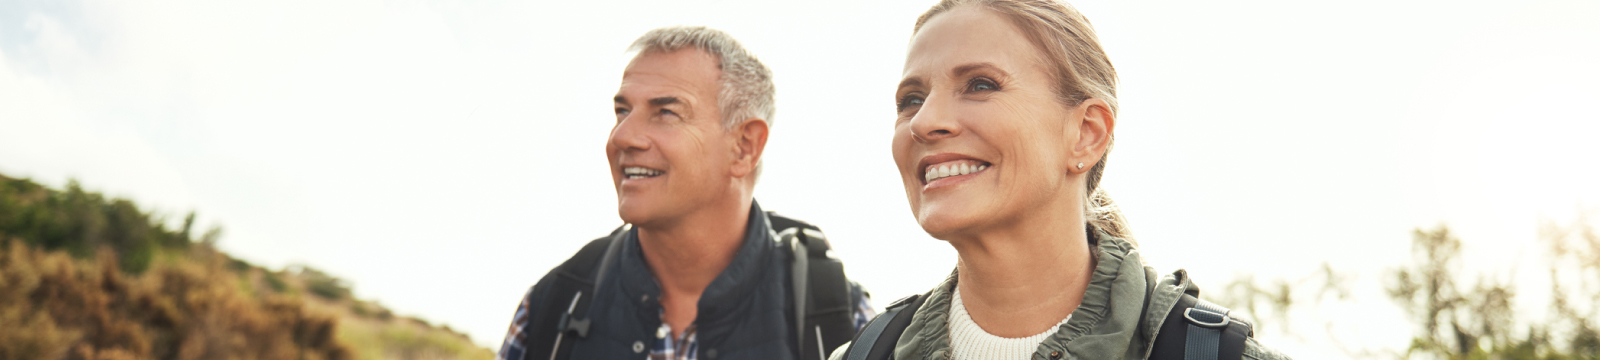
(81, 222)
(87, 277)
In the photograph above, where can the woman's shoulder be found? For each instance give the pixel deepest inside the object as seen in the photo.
(1255, 351)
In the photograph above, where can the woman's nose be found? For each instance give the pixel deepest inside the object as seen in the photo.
(932, 122)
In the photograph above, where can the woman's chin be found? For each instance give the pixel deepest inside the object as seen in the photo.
(944, 226)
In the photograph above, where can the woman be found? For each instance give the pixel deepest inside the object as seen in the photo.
(1006, 112)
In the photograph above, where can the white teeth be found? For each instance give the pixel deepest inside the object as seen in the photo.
(963, 168)
(635, 172)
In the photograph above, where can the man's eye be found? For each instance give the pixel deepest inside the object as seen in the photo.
(668, 112)
(908, 101)
(981, 84)
(622, 111)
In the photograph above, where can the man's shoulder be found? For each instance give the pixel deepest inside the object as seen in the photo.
(580, 266)
(583, 261)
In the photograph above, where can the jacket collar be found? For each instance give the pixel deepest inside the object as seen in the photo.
(1118, 318)
(721, 298)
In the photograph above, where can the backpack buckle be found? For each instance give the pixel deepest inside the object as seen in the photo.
(1206, 318)
(568, 323)
(577, 326)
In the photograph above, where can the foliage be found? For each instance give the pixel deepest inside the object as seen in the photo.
(377, 339)
(81, 222)
(86, 277)
(1455, 320)
(1270, 304)
(1575, 279)
(321, 284)
(77, 309)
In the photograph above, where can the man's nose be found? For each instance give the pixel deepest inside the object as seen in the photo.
(628, 135)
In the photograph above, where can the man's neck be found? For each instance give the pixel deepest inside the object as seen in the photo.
(688, 255)
(1023, 279)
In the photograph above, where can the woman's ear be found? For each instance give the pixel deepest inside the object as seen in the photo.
(1094, 133)
(750, 139)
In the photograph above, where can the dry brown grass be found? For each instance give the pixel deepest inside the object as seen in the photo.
(85, 276)
(55, 307)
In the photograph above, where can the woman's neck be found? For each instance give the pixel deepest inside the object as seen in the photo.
(1023, 279)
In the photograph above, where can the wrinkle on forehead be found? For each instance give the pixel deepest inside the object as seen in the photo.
(689, 74)
(979, 35)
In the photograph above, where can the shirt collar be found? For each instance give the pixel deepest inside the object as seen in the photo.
(756, 256)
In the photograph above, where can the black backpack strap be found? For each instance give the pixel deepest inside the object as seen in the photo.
(824, 305)
(561, 319)
(877, 340)
(1199, 330)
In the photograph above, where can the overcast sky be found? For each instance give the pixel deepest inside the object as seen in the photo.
(443, 156)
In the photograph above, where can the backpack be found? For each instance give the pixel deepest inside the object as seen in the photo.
(824, 316)
(1195, 329)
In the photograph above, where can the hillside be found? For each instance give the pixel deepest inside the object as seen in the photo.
(87, 277)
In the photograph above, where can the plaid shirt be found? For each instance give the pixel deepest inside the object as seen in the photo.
(665, 347)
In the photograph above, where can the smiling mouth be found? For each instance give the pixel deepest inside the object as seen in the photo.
(952, 168)
(638, 172)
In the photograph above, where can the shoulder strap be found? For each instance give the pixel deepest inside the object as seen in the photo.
(877, 340)
(824, 305)
(575, 279)
(1200, 330)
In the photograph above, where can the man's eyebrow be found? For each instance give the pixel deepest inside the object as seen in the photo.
(664, 101)
(619, 99)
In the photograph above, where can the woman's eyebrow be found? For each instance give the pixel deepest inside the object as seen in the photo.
(910, 82)
(967, 68)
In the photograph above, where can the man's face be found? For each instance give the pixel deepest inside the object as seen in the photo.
(669, 152)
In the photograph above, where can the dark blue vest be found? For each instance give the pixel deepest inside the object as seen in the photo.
(744, 314)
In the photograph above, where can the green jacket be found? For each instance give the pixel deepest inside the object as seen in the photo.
(1113, 322)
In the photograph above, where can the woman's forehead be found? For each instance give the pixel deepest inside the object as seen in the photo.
(967, 35)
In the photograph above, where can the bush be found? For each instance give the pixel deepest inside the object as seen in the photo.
(86, 277)
(73, 309)
(81, 222)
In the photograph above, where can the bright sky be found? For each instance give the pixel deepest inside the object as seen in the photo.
(444, 155)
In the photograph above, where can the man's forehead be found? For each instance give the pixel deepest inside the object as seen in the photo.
(687, 72)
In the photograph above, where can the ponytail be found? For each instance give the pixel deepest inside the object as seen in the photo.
(1104, 214)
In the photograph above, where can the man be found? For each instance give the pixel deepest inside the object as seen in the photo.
(703, 272)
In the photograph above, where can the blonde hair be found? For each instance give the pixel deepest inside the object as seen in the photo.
(1082, 72)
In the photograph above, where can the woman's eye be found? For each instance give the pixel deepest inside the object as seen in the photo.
(908, 101)
(981, 84)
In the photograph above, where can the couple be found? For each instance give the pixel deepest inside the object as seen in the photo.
(1005, 114)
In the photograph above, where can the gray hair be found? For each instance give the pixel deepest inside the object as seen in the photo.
(747, 90)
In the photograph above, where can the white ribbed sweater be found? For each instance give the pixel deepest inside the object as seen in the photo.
(970, 342)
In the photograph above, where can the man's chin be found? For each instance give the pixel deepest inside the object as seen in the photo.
(635, 212)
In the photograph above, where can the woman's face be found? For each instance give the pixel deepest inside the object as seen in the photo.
(981, 138)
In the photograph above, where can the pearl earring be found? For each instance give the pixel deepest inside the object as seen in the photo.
(1080, 166)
